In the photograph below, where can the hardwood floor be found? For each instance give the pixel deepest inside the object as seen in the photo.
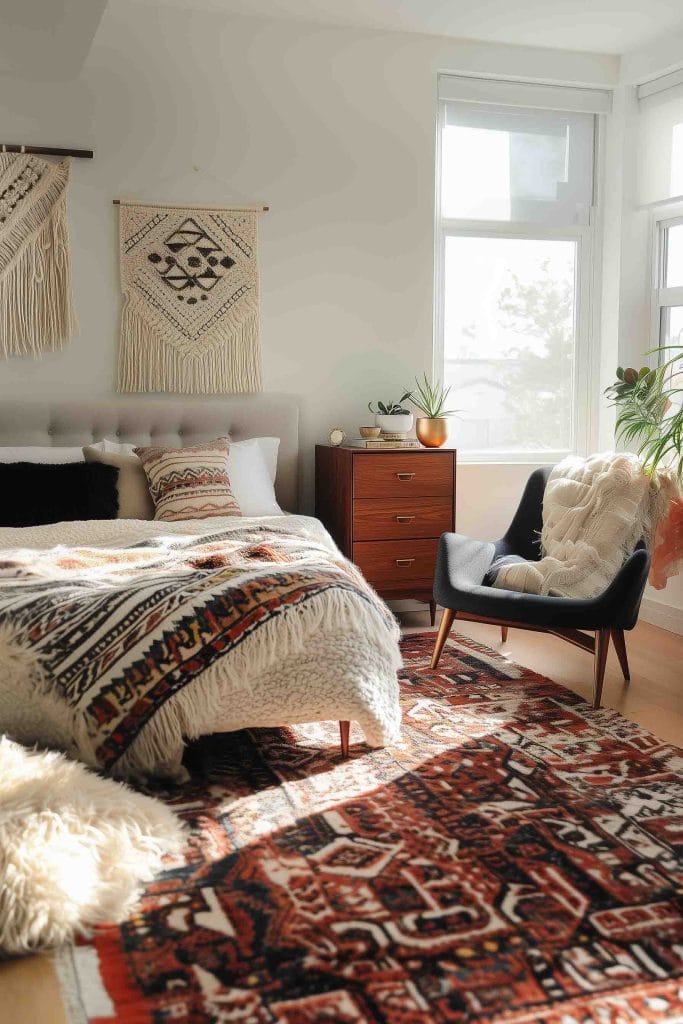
(654, 698)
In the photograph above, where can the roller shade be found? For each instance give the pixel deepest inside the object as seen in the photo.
(660, 141)
(512, 163)
(472, 89)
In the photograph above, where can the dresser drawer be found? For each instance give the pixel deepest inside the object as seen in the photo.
(385, 475)
(396, 518)
(392, 564)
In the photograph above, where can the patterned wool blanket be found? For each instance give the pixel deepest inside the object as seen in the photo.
(126, 637)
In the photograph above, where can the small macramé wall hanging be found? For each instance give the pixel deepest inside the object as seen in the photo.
(36, 302)
(190, 314)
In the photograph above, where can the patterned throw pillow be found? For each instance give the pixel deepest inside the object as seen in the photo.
(190, 483)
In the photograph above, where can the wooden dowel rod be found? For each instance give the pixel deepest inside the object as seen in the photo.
(181, 206)
(14, 147)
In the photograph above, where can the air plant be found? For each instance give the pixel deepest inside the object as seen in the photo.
(650, 411)
(391, 408)
(431, 399)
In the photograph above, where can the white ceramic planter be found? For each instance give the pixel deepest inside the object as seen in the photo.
(401, 423)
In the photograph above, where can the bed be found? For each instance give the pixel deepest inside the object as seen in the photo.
(121, 639)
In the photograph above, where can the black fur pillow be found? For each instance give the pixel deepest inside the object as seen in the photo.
(33, 493)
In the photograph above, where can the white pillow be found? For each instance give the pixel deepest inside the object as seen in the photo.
(48, 455)
(114, 447)
(268, 445)
(252, 473)
(252, 467)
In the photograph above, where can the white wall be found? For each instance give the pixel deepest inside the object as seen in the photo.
(627, 268)
(334, 129)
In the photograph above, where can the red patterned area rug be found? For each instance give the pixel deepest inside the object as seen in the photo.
(513, 860)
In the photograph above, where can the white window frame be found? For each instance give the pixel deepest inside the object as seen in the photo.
(587, 301)
(665, 216)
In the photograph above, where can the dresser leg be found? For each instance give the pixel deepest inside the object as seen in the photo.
(432, 612)
(344, 735)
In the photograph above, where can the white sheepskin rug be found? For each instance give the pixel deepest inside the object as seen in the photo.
(74, 848)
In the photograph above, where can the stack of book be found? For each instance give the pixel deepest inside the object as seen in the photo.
(383, 443)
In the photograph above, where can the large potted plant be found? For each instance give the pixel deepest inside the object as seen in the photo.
(649, 406)
(393, 418)
(430, 399)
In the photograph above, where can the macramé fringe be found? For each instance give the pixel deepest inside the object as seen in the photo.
(231, 364)
(36, 304)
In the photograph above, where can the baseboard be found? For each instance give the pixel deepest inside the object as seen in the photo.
(666, 616)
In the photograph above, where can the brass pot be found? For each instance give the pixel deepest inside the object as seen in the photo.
(431, 433)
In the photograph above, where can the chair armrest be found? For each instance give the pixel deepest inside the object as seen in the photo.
(461, 561)
(620, 601)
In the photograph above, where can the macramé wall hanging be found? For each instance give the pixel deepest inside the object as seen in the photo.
(190, 315)
(36, 303)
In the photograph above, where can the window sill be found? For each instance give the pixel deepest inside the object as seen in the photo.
(513, 459)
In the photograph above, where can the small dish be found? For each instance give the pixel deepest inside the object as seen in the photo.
(369, 431)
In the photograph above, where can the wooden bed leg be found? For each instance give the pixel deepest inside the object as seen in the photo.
(504, 633)
(344, 733)
(432, 612)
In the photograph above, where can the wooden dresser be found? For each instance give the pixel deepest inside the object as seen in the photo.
(386, 511)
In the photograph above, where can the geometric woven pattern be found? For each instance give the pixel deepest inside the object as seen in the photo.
(102, 642)
(513, 860)
(189, 483)
(190, 318)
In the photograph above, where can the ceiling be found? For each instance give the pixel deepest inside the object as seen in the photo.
(50, 39)
(599, 26)
(47, 39)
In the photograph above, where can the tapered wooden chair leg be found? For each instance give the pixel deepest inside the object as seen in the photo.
(601, 648)
(620, 647)
(442, 635)
(344, 734)
(504, 633)
(432, 612)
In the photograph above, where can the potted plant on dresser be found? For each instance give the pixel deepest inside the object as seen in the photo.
(393, 419)
(430, 399)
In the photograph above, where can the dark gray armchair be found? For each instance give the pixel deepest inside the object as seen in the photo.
(461, 587)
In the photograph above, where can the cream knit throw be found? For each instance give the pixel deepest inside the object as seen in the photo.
(595, 511)
(36, 305)
(190, 317)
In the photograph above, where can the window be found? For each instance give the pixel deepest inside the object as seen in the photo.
(667, 304)
(514, 273)
(660, 187)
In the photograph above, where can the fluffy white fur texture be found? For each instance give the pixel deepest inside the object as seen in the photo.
(74, 848)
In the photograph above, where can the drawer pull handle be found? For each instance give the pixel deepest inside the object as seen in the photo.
(404, 519)
(405, 476)
(404, 561)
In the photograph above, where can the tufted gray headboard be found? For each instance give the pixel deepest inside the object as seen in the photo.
(162, 420)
